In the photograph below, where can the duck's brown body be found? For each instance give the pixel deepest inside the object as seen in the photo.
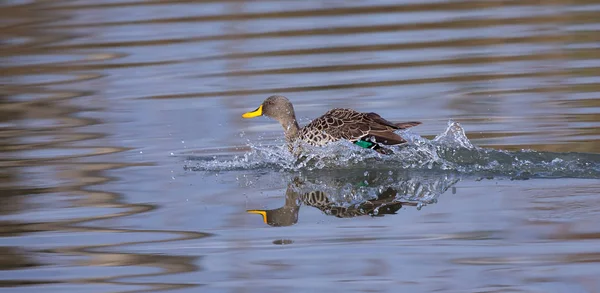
(351, 125)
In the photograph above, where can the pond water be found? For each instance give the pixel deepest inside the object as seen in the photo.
(126, 165)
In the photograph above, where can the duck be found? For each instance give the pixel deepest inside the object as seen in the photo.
(367, 130)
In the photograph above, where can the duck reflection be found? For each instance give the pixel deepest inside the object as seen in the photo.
(376, 194)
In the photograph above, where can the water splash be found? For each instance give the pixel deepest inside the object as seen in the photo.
(449, 151)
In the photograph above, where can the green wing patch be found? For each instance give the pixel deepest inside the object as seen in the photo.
(364, 144)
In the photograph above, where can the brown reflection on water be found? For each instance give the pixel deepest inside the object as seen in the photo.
(357, 200)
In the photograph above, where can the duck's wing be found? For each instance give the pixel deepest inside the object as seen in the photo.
(352, 125)
(375, 118)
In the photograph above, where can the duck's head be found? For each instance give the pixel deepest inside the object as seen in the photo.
(276, 107)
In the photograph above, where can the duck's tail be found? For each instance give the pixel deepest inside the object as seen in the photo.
(404, 125)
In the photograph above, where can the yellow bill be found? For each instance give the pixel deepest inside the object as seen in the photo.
(255, 113)
(259, 212)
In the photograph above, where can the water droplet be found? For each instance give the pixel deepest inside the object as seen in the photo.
(283, 242)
